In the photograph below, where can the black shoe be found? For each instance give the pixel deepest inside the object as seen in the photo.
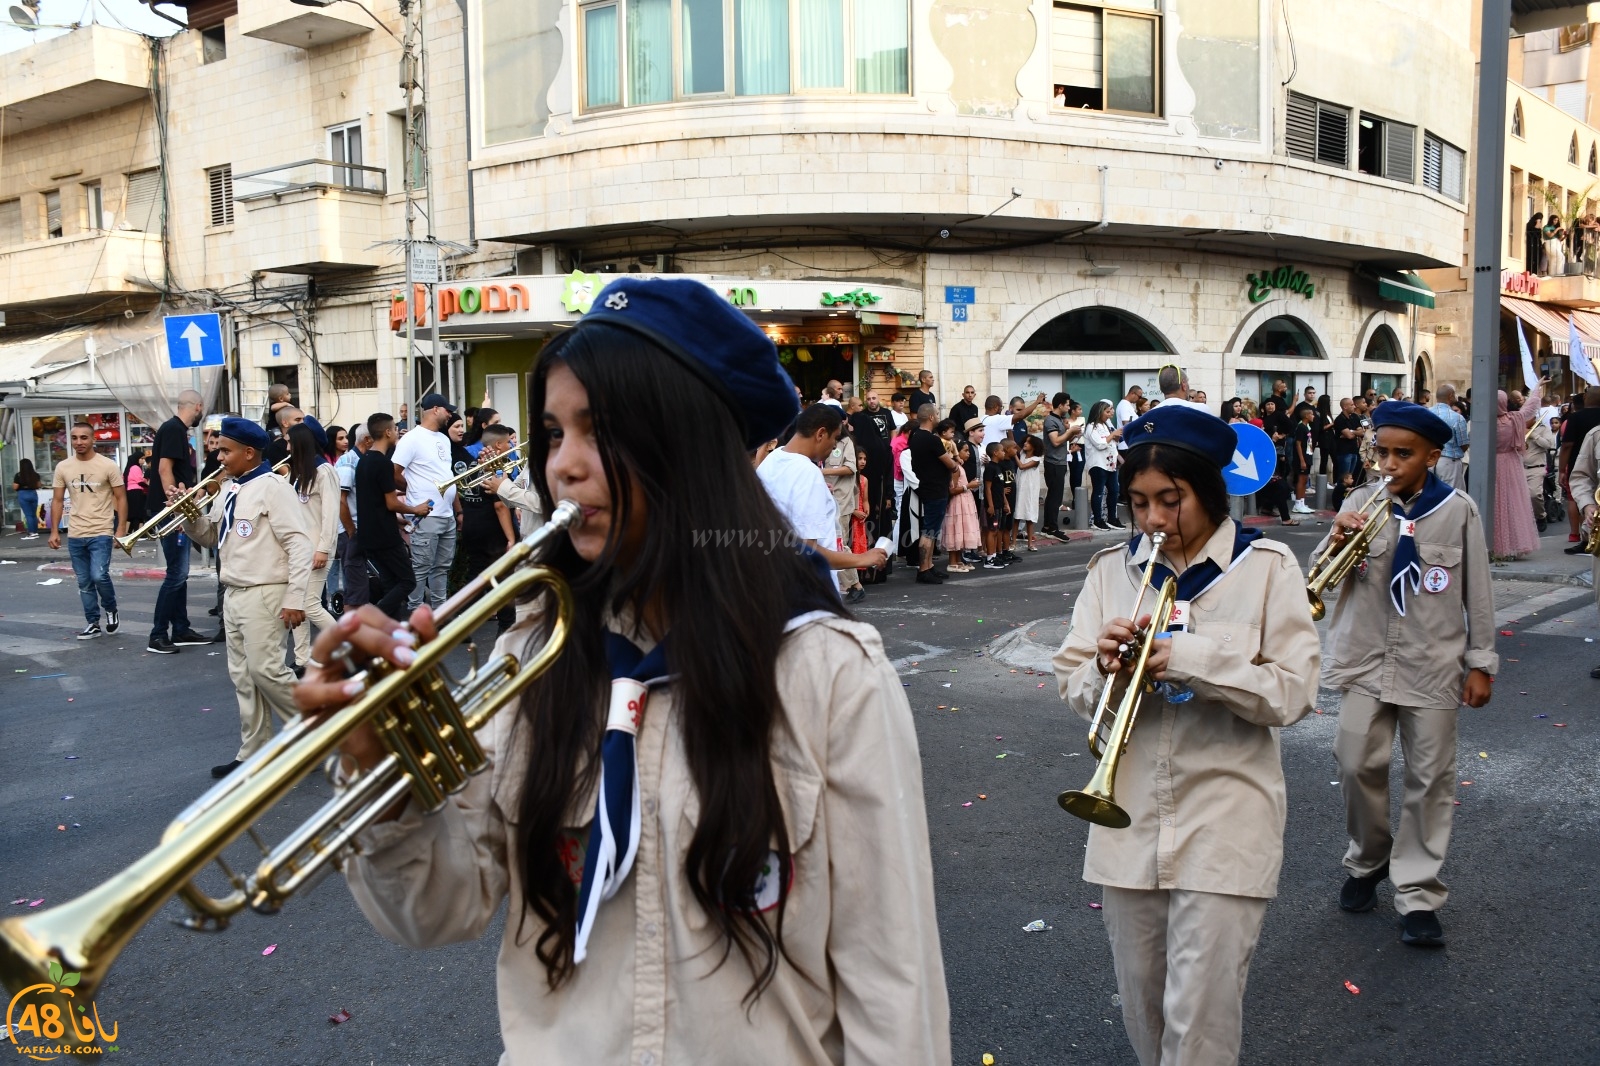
(1542, 525)
(190, 639)
(1595, 673)
(1421, 929)
(1360, 894)
(213, 611)
(90, 631)
(299, 671)
(112, 622)
(219, 772)
(161, 646)
(1099, 523)
(929, 577)
(855, 595)
(1573, 549)
(1117, 525)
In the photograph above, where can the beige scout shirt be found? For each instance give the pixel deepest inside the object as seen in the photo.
(322, 508)
(1202, 780)
(91, 485)
(1585, 478)
(270, 541)
(1420, 660)
(517, 493)
(865, 981)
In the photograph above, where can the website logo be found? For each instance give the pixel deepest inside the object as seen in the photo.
(46, 1022)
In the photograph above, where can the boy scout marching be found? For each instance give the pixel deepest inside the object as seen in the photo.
(1584, 483)
(1411, 639)
(262, 533)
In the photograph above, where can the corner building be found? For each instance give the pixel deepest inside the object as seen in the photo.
(1038, 195)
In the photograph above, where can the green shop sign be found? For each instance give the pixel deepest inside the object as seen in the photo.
(855, 298)
(1284, 277)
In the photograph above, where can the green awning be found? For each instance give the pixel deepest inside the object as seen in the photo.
(1406, 288)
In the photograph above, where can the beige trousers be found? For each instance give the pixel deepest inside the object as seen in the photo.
(1364, 748)
(851, 578)
(261, 680)
(1182, 959)
(316, 615)
(1535, 476)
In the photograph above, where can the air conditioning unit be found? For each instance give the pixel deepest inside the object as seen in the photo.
(1444, 329)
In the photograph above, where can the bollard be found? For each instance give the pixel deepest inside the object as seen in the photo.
(1080, 507)
(1324, 492)
(1236, 508)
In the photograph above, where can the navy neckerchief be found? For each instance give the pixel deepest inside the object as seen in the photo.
(1407, 565)
(233, 498)
(1197, 579)
(614, 833)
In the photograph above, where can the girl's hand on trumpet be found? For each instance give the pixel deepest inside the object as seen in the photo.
(1120, 633)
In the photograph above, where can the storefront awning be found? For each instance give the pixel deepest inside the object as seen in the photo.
(1552, 322)
(1404, 287)
(28, 359)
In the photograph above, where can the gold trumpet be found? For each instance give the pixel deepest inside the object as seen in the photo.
(1337, 560)
(1096, 801)
(500, 464)
(184, 508)
(1592, 545)
(427, 720)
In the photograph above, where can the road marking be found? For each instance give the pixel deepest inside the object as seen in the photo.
(903, 665)
(1583, 622)
(1532, 605)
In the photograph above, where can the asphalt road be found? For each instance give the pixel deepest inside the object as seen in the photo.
(1519, 981)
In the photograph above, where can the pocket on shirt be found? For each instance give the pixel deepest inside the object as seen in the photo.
(1445, 555)
(799, 795)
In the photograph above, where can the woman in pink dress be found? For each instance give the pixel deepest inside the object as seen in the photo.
(1515, 534)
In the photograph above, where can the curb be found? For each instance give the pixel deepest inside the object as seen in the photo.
(127, 573)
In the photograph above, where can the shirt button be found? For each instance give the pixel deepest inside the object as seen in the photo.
(1227, 637)
(1166, 821)
(650, 931)
(649, 806)
(648, 1058)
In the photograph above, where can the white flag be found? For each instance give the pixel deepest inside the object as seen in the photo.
(1529, 377)
(1578, 355)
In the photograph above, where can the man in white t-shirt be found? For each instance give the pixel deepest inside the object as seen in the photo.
(422, 460)
(1174, 384)
(833, 394)
(794, 481)
(1128, 410)
(997, 421)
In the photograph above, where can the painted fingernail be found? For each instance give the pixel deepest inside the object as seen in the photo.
(354, 688)
(403, 655)
(406, 637)
(349, 621)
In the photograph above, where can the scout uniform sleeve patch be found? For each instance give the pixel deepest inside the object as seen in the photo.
(1436, 580)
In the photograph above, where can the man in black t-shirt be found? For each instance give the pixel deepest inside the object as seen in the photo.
(378, 500)
(923, 394)
(872, 428)
(486, 532)
(932, 466)
(172, 470)
(1346, 449)
(966, 409)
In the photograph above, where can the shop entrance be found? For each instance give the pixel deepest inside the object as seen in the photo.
(811, 366)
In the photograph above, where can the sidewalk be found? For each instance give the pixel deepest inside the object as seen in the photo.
(145, 565)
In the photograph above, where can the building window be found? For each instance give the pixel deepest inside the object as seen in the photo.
(1572, 150)
(1317, 131)
(1386, 149)
(1096, 329)
(142, 211)
(52, 212)
(418, 147)
(362, 374)
(1283, 336)
(10, 223)
(655, 51)
(1104, 57)
(344, 146)
(1572, 37)
(219, 180)
(1516, 120)
(94, 202)
(1443, 167)
(1383, 347)
(213, 45)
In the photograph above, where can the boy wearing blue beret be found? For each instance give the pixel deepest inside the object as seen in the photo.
(1411, 639)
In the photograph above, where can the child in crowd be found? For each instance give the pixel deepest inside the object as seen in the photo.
(960, 531)
(1008, 479)
(996, 506)
(1030, 484)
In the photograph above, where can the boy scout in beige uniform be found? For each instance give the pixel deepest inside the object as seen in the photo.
(1411, 638)
(1584, 482)
(262, 534)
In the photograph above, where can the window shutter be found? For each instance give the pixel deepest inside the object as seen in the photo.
(10, 223)
(1075, 46)
(52, 208)
(1452, 180)
(1300, 128)
(1333, 135)
(143, 208)
(1432, 161)
(1572, 97)
(1399, 152)
(220, 181)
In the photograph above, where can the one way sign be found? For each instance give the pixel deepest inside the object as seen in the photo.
(194, 341)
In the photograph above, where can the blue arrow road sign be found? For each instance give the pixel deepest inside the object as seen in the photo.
(1254, 460)
(194, 341)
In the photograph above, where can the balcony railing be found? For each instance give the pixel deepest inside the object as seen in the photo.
(309, 174)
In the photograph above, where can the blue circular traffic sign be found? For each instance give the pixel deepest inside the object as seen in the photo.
(1254, 460)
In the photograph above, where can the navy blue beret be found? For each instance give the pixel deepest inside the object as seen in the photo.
(1189, 428)
(1413, 416)
(714, 340)
(318, 434)
(244, 431)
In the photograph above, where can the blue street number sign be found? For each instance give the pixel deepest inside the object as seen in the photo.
(194, 341)
(1254, 461)
(277, 349)
(960, 294)
(958, 313)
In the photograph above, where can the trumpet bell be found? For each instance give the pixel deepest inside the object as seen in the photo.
(1094, 807)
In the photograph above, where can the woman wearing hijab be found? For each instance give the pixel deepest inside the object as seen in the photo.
(1515, 533)
(1533, 241)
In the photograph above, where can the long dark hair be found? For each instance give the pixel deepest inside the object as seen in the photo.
(27, 477)
(1179, 464)
(303, 455)
(725, 608)
(477, 420)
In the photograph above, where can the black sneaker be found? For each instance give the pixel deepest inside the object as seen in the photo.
(1360, 894)
(112, 622)
(161, 646)
(993, 563)
(855, 595)
(90, 631)
(190, 639)
(1421, 929)
(219, 772)
(1574, 549)
(929, 577)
